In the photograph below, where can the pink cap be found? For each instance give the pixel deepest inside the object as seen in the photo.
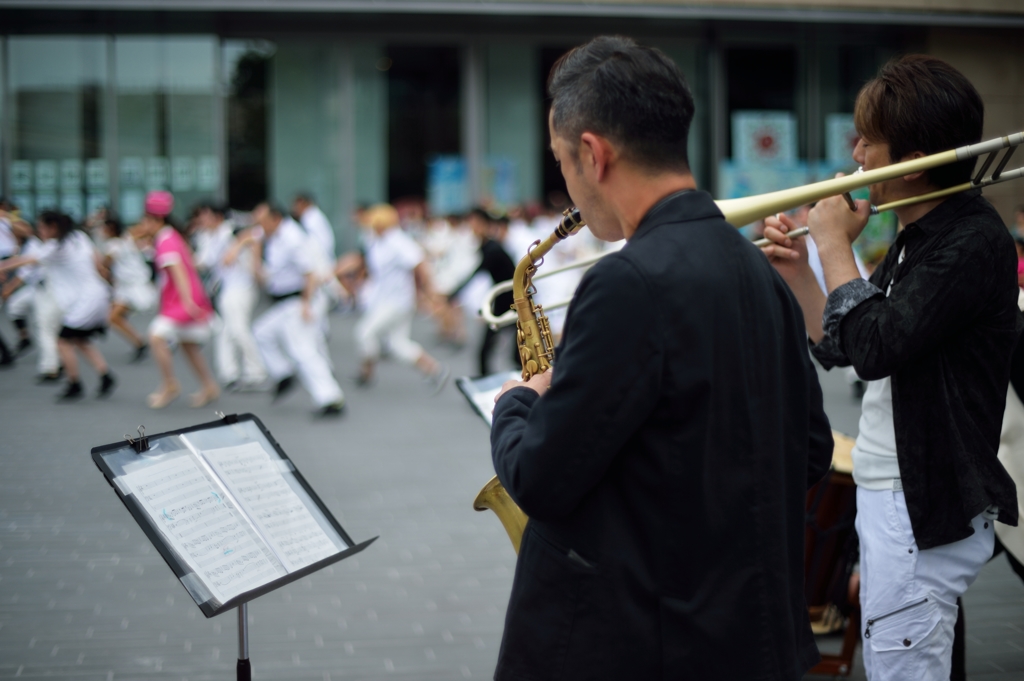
(159, 203)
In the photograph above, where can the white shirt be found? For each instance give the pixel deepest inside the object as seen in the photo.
(8, 244)
(814, 260)
(287, 259)
(31, 275)
(73, 281)
(390, 260)
(319, 228)
(128, 267)
(875, 465)
(210, 255)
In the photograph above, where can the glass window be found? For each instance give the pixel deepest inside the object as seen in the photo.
(167, 115)
(56, 92)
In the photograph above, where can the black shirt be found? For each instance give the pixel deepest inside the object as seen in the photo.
(666, 469)
(945, 334)
(497, 263)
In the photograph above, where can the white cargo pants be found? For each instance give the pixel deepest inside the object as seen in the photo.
(908, 596)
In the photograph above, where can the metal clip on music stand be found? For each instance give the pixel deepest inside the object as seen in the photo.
(215, 478)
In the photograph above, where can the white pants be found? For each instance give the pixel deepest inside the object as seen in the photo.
(908, 596)
(19, 304)
(48, 322)
(390, 322)
(235, 305)
(290, 345)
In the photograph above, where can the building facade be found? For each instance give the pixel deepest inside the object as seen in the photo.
(360, 102)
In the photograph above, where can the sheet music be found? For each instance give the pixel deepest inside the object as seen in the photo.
(212, 537)
(482, 391)
(254, 479)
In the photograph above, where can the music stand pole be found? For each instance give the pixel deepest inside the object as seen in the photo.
(244, 671)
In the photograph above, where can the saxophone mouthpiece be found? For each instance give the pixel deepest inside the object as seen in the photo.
(571, 223)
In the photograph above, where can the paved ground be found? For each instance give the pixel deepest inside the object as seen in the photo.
(84, 596)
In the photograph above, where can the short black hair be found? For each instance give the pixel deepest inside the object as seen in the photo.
(114, 225)
(632, 94)
(305, 196)
(62, 221)
(921, 103)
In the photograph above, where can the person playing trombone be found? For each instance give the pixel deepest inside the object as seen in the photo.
(932, 332)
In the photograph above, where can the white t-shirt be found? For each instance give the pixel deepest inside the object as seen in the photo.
(287, 259)
(210, 255)
(128, 267)
(390, 260)
(875, 465)
(319, 228)
(8, 243)
(81, 294)
(31, 275)
(814, 260)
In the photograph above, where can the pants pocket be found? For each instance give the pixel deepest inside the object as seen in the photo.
(542, 609)
(912, 641)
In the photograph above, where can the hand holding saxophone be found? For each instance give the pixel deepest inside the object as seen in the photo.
(539, 383)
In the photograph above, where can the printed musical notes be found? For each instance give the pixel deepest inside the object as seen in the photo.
(253, 478)
(211, 535)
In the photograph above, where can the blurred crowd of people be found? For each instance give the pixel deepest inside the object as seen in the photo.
(204, 279)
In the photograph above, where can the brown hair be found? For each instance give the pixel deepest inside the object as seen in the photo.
(921, 103)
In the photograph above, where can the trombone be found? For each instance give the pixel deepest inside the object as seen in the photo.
(750, 209)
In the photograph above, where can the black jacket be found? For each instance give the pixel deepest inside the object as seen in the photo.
(945, 335)
(665, 471)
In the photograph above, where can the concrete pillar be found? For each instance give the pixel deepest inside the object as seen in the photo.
(994, 61)
(473, 107)
(514, 114)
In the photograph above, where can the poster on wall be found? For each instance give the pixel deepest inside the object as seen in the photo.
(21, 175)
(131, 205)
(93, 202)
(446, 185)
(70, 175)
(46, 176)
(183, 174)
(840, 137)
(25, 205)
(96, 174)
(46, 201)
(207, 174)
(764, 137)
(72, 204)
(157, 172)
(133, 172)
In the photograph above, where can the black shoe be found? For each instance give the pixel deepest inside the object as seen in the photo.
(72, 392)
(107, 384)
(24, 345)
(283, 387)
(332, 409)
(7, 361)
(51, 378)
(232, 386)
(140, 353)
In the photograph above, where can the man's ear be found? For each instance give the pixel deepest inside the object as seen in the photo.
(912, 156)
(597, 152)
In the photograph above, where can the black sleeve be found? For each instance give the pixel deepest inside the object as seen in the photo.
(549, 452)
(820, 442)
(930, 301)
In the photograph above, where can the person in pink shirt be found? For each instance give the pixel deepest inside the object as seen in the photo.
(185, 315)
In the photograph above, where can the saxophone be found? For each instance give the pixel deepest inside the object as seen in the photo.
(536, 352)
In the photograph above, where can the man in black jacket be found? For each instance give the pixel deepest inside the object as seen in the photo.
(932, 332)
(664, 461)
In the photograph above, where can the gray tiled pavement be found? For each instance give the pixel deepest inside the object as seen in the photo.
(84, 596)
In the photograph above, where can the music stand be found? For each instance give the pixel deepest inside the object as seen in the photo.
(227, 510)
(480, 392)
